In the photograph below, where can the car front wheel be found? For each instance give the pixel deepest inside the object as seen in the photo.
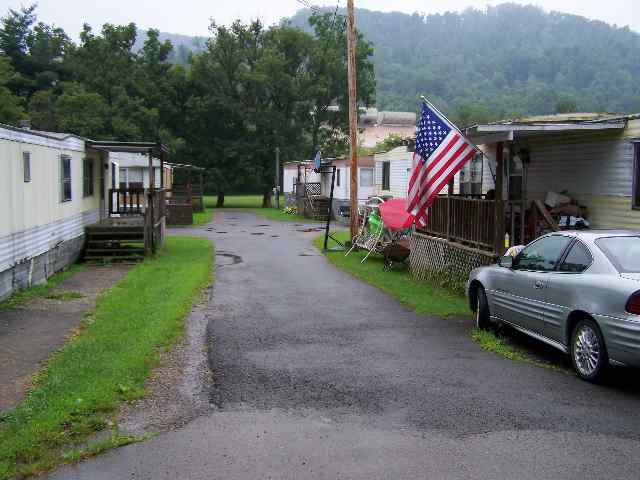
(588, 351)
(483, 320)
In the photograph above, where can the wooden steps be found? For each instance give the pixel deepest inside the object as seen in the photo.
(114, 243)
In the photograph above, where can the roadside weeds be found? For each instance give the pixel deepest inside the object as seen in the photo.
(82, 386)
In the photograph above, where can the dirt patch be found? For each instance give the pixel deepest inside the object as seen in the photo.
(32, 332)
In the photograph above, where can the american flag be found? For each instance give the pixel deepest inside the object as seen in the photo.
(441, 150)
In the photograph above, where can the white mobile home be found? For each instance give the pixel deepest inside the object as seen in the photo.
(342, 185)
(50, 190)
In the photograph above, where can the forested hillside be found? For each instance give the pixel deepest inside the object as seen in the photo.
(183, 45)
(505, 61)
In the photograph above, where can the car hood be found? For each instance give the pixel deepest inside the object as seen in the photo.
(631, 276)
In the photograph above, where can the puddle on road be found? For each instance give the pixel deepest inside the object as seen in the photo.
(257, 233)
(261, 225)
(275, 236)
(224, 259)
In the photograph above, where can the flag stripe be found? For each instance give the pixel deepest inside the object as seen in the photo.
(441, 151)
(435, 191)
(414, 197)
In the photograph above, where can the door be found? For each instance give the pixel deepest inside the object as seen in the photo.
(564, 289)
(524, 289)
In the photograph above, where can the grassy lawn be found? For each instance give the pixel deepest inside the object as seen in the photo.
(200, 218)
(22, 296)
(418, 295)
(254, 204)
(238, 201)
(106, 363)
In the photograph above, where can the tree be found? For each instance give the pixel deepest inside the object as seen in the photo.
(327, 85)
(11, 109)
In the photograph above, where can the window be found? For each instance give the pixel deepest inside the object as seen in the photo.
(471, 176)
(636, 177)
(386, 175)
(623, 252)
(87, 177)
(542, 255)
(26, 166)
(366, 177)
(338, 177)
(65, 178)
(577, 260)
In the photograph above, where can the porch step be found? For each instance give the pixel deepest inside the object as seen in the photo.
(114, 243)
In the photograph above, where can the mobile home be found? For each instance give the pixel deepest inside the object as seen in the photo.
(50, 190)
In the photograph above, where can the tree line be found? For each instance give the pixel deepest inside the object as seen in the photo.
(502, 62)
(227, 107)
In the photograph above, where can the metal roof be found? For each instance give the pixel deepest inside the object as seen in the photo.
(132, 147)
(508, 130)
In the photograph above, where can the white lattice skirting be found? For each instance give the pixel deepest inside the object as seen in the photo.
(434, 258)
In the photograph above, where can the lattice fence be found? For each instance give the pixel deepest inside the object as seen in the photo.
(445, 263)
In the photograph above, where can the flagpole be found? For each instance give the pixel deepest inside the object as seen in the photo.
(451, 124)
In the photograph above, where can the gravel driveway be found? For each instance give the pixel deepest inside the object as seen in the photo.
(317, 375)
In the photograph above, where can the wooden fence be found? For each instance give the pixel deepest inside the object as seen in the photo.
(470, 221)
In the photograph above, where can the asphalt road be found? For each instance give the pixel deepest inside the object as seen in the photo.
(318, 375)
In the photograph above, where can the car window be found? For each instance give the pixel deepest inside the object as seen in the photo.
(578, 259)
(623, 252)
(542, 255)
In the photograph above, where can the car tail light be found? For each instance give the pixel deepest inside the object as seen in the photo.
(633, 304)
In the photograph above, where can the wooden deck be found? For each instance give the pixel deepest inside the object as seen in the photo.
(128, 237)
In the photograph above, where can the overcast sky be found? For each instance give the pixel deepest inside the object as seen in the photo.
(191, 17)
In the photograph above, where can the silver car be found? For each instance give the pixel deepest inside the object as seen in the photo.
(578, 291)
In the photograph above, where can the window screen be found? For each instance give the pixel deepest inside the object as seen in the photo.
(26, 166)
(65, 178)
(386, 175)
(366, 177)
(87, 177)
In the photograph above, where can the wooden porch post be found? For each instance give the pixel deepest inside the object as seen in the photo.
(152, 177)
(161, 169)
(498, 240)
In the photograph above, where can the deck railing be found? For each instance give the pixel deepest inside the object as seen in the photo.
(126, 201)
(470, 221)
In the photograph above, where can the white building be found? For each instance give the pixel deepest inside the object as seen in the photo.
(50, 190)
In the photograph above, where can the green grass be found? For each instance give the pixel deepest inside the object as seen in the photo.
(21, 296)
(254, 204)
(280, 216)
(64, 296)
(200, 218)
(491, 343)
(418, 295)
(238, 201)
(108, 361)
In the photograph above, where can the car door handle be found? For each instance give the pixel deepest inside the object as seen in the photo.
(539, 284)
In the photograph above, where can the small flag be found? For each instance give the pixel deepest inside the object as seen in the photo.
(317, 161)
(441, 151)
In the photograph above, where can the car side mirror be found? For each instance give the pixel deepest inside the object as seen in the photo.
(506, 261)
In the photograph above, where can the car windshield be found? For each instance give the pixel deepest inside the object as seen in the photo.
(624, 252)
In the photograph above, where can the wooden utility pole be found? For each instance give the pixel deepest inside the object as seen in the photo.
(277, 179)
(353, 115)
